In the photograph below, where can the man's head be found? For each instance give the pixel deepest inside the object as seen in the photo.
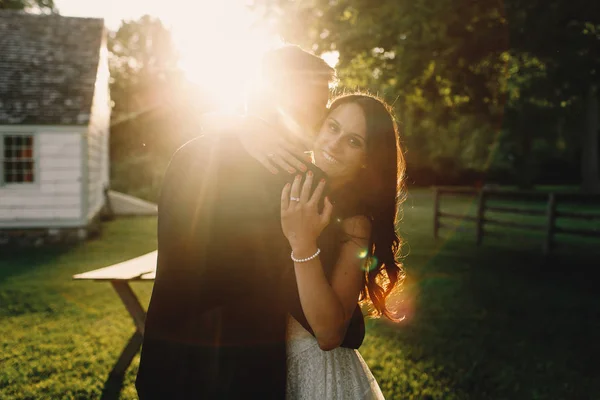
(296, 84)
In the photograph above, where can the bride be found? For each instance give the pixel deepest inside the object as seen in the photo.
(344, 249)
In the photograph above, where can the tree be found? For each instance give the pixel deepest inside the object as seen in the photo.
(452, 53)
(143, 63)
(41, 5)
(565, 38)
(154, 105)
(442, 63)
(517, 71)
(590, 167)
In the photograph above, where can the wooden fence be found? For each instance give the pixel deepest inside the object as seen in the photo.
(550, 213)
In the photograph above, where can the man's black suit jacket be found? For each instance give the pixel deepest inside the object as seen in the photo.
(225, 284)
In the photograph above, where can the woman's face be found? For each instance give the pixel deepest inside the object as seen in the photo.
(340, 148)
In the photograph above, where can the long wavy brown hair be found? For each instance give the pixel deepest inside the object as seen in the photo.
(377, 193)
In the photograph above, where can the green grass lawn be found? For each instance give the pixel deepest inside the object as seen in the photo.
(495, 322)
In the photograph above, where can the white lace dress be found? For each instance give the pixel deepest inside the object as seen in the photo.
(314, 374)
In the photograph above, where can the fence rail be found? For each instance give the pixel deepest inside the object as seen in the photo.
(550, 213)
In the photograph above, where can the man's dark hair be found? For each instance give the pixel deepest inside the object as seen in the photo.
(291, 61)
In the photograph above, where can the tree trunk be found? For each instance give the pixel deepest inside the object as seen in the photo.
(590, 168)
(525, 163)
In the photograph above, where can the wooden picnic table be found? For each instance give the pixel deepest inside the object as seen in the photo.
(119, 275)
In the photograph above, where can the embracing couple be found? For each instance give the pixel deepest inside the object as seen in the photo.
(264, 254)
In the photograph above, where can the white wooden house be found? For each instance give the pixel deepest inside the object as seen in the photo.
(54, 122)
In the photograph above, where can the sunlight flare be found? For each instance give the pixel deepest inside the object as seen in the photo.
(221, 50)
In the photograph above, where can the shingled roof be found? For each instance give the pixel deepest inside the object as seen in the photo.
(48, 67)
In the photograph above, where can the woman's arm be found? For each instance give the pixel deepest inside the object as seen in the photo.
(328, 307)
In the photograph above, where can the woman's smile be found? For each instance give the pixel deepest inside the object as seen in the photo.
(329, 158)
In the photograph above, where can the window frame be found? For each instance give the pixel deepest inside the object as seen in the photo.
(34, 157)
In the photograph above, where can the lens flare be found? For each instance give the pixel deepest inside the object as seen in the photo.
(370, 264)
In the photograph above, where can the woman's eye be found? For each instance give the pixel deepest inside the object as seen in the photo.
(355, 142)
(333, 127)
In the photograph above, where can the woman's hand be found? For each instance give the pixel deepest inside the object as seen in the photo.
(260, 140)
(269, 147)
(300, 218)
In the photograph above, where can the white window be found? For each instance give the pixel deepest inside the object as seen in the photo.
(18, 158)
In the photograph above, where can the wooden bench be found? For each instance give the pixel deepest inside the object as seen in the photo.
(141, 268)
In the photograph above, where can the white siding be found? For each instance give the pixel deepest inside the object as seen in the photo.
(55, 196)
(97, 139)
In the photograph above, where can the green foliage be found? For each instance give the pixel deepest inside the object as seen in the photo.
(482, 90)
(439, 55)
(420, 58)
(496, 322)
(155, 108)
(479, 88)
(143, 65)
(139, 175)
(46, 6)
(516, 70)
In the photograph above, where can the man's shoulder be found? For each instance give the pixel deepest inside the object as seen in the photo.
(190, 149)
(213, 144)
(196, 146)
(223, 154)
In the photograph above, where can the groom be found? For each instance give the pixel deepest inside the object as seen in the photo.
(225, 284)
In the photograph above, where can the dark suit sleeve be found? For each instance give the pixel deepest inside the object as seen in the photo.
(207, 255)
(184, 212)
(184, 206)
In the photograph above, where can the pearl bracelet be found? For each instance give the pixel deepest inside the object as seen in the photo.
(302, 260)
